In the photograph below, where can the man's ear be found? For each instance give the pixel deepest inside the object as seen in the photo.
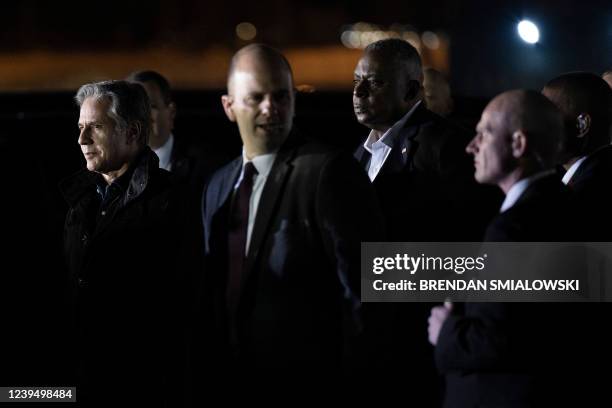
(583, 124)
(519, 144)
(134, 133)
(227, 102)
(172, 107)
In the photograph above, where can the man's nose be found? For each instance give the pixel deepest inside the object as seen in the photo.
(472, 147)
(360, 90)
(269, 106)
(84, 136)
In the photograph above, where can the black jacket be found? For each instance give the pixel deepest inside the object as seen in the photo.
(591, 184)
(300, 300)
(125, 283)
(426, 186)
(499, 354)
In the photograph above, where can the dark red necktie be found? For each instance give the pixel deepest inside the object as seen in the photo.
(237, 238)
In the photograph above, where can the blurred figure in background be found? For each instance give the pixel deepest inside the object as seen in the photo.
(607, 76)
(185, 157)
(586, 103)
(437, 92)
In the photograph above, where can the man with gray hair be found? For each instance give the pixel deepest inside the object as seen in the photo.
(122, 208)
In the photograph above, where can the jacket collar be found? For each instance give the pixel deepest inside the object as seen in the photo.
(403, 145)
(84, 181)
(271, 194)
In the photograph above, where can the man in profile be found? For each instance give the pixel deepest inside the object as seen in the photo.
(586, 103)
(437, 92)
(283, 225)
(417, 164)
(504, 354)
(414, 158)
(122, 235)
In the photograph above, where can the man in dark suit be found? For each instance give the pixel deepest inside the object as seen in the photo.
(586, 103)
(585, 100)
(188, 161)
(283, 225)
(423, 178)
(503, 354)
(414, 158)
(123, 236)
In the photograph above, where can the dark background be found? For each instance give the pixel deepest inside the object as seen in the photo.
(38, 133)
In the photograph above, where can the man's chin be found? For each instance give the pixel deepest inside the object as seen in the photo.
(364, 119)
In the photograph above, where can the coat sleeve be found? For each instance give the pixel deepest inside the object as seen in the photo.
(477, 341)
(348, 214)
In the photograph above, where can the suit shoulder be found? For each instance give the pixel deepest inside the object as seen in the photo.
(224, 170)
(443, 131)
(315, 152)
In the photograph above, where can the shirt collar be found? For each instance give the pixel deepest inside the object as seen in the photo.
(117, 187)
(263, 164)
(572, 170)
(389, 136)
(518, 188)
(165, 153)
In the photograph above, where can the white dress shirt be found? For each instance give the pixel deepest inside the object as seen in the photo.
(518, 188)
(263, 165)
(165, 154)
(380, 148)
(572, 170)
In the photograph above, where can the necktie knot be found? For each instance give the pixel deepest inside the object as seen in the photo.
(249, 171)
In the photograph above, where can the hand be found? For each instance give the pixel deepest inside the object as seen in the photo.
(436, 320)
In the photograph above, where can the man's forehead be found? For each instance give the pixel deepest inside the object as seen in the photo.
(370, 64)
(95, 108)
(260, 81)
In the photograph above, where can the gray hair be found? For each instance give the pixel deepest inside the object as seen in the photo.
(394, 50)
(129, 104)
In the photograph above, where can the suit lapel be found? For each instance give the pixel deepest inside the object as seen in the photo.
(268, 204)
(362, 156)
(405, 143)
(227, 186)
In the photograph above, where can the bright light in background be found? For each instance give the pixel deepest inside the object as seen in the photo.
(528, 31)
(361, 34)
(246, 31)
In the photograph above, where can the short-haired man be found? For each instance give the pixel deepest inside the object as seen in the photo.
(283, 227)
(607, 76)
(188, 161)
(437, 92)
(499, 354)
(414, 158)
(423, 178)
(586, 103)
(121, 246)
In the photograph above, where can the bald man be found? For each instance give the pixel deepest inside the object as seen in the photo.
(586, 103)
(607, 76)
(496, 354)
(283, 225)
(437, 92)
